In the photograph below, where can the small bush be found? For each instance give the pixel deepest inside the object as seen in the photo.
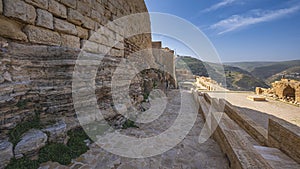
(56, 152)
(129, 124)
(23, 163)
(76, 142)
(16, 133)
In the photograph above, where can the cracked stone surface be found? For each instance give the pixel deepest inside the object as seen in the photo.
(188, 154)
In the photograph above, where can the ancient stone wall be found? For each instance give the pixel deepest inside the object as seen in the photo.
(165, 58)
(284, 136)
(40, 42)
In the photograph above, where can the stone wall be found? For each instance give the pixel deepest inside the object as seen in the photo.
(165, 58)
(40, 42)
(284, 136)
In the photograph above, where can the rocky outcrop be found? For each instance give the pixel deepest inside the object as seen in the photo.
(30, 143)
(6, 153)
(57, 133)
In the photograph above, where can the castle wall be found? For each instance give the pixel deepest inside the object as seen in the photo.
(39, 43)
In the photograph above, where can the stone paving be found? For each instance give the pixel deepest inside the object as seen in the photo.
(260, 112)
(188, 154)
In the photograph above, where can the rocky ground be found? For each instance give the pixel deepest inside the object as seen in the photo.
(187, 154)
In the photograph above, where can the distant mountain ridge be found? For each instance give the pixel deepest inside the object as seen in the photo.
(231, 77)
(271, 71)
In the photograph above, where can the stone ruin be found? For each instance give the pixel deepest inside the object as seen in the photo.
(40, 41)
(285, 90)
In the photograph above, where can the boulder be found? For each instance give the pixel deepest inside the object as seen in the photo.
(57, 133)
(6, 153)
(30, 143)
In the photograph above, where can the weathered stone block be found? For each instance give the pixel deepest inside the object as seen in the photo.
(11, 29)
(84, 7)
(42, 36)
(69, 3)
(82, 33)
(20, 10)
(6, 152)
(39, 3)
(1, 6)
(70, 41)
(57, 133)
(64, 26)
(75, 17)
(89, 46)
(98, 16)
(57, 9)
(30, 143)
(44, 19)
(89, 23)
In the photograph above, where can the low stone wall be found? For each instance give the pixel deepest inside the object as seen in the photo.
(257, 132)
(285, 136)
(231, 138)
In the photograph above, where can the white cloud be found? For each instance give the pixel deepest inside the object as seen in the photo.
(219, 5)
(256, 16)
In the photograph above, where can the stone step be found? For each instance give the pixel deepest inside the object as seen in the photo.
(276, 158)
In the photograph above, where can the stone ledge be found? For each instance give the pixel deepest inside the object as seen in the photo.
(285, 136)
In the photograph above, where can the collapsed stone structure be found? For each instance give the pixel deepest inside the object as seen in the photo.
(287, 90)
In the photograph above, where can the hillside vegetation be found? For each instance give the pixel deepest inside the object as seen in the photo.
(233, 78)
(271, 71)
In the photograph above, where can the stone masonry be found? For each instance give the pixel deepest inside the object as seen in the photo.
(39, 43)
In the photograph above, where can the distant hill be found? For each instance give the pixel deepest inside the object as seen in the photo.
(248, 66)
(236, 78)
(271, 71)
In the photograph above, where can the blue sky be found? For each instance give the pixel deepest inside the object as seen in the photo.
(240, 30)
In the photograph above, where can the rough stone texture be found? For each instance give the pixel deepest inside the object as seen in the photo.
(38, 74)
(39, 3)
(64, 26)
(70, 41)
(57, 9)
(1, 7)
(75, 17)
(284, 136)
(30, 143)
(82, 33)
(11, 29)
(6, 153)
(42, 36)
(20, 10)
(44, 19)
(84, 7)
(57, 133)
(69, 3)
(89, 23)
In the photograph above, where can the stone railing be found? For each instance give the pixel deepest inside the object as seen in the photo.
(284, 136)
(257, 132)
(230, 136)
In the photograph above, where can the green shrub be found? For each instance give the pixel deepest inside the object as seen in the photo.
(16, 133)
(76, 142)
(56, 152)
(128, 124)
(23, 163)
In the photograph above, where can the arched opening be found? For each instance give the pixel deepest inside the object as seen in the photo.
(289, 93)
